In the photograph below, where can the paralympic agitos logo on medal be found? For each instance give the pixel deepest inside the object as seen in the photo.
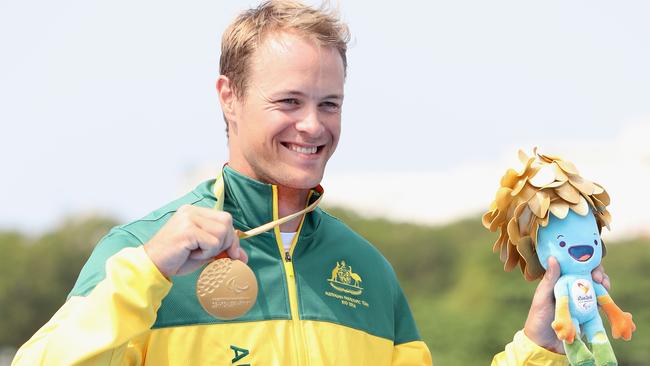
(345, 280)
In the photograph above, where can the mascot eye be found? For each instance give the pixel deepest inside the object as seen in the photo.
(562, 244)
(595, 242)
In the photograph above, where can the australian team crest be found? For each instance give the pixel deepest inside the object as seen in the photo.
(343, 279)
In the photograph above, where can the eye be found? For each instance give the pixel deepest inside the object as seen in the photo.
(562, 244)
(330, 106)
(595, 242)
(290, 101)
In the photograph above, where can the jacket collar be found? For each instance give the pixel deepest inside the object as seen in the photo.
(253, 203)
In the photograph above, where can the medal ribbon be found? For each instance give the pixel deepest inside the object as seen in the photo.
(219, 190)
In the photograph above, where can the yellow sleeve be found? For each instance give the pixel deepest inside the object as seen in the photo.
(411, 353)
(523, 351)
(105, 327)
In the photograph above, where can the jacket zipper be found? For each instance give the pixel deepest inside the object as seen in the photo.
(293, 304)
(287, 260)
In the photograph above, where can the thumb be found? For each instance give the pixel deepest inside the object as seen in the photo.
(538, 324)
(546, 285)
(243, 256)
(553, 271)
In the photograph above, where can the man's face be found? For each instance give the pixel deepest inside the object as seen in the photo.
(287, 125)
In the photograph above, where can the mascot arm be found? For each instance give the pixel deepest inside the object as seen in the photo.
(622, 324)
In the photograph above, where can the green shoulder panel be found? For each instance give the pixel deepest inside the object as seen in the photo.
(130, 235)
(94, 271)
(149, 225)
(344, 279)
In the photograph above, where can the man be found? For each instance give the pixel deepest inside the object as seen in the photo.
(281, 92)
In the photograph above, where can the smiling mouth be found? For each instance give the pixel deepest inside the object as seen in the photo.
(307, 150)
(581, 253)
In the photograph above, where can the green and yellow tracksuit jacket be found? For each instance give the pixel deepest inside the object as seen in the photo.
(332, 299)
(122, 311)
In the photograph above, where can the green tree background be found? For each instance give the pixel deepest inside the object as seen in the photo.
(466, 306)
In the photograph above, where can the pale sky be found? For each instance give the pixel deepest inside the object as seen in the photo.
(110, 106)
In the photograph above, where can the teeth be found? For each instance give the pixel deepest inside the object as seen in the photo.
(303, 150)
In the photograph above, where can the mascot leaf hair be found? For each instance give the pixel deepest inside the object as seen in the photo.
(525, 199)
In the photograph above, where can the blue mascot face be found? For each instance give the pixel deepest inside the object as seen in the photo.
(574, 241)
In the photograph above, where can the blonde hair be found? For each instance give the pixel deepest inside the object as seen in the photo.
(245, 34)
(524, 201)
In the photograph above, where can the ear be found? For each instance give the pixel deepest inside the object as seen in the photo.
(228, 100)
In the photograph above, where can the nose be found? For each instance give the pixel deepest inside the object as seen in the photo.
(310, 123)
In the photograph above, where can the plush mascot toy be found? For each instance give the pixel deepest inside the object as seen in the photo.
(548, 209)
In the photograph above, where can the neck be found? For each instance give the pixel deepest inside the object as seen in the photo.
(291, 200)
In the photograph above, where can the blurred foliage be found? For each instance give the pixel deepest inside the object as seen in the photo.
(36, 274)
(466, 306)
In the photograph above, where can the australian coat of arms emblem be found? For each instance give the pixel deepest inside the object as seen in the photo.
(343, 279)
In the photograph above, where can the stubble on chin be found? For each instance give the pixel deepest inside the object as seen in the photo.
(295, 180)
(273, 170)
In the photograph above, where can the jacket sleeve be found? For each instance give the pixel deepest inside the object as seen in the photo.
(411, 353)
(108, 315)
(523, 351)
(408, 349)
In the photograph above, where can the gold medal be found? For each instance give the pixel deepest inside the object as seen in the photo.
(226, 288)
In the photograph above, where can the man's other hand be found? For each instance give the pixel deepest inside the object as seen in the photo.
(542, 311)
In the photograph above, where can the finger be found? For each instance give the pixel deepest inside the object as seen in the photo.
(215, 227)
(606, 283)
(242, 255)
(191, 210)
(228, 239)
(212, 214)
(207, 245)
(221, 228)
(598, 274)
(234, 251)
